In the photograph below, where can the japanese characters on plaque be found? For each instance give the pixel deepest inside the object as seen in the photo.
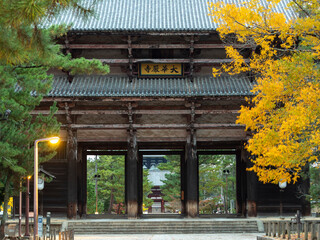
(160, 69)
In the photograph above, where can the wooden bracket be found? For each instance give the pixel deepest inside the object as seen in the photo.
(131, 129)
(67, 47)
(191, 55)
(130, 57)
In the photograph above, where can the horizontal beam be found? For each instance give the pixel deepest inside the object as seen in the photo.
(155, 46)
(163, 140)
(99, 152)
(168, 60)
(138, 99)
(144, 111)
(154, 126)
(204, 152)
(142, 152)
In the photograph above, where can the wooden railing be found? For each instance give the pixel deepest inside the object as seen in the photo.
(284, 229)
(66, 235)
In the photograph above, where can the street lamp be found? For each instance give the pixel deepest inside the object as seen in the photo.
(27, 234)
(282, 186)
(226, 172)
(52, 140)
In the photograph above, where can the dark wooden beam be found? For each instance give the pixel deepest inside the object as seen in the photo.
(156, 126)
(100, 152)
(155, 46)
(142, 111)
(226, 152)
(163, 152)
(213, 140)
(168, 60)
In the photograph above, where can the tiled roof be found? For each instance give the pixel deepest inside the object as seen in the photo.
(114, 86)
(149, 15)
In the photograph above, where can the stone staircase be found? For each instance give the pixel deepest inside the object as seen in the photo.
(164, 226)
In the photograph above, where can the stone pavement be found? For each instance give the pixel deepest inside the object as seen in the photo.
(222, 236)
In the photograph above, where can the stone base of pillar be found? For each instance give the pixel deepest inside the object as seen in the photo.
(192, 208)
(72, 210)
(252, 208)
(132, 209)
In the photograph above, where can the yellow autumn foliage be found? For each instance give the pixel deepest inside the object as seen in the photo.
(10, 205)
(284, 114)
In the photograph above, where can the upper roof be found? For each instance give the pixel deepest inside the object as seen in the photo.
(115, 86)
(149, 16)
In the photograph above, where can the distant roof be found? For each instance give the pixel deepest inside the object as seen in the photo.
(148, 15)
(114, 86)
(157, 176)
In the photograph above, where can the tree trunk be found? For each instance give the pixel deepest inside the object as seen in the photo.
(118, 210)
(111, 202)
(5, 207)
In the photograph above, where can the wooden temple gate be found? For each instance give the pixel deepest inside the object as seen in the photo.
(186, 137)
(160, 94)
(191, 126)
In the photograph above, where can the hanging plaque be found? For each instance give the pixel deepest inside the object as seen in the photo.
(160, 69)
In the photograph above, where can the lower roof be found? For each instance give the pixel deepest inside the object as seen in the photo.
(115, 86)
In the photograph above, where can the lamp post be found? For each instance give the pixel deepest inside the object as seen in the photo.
(226, 172)
(27, 234)
(53, 140)
(282, 186)
(20, 206)
(96, 189)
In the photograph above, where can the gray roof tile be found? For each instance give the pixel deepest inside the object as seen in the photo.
(149, 15)
(114, 86)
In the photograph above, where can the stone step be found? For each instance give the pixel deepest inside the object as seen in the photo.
(180, 226)
(114, 225)
(162, 223)
(164, 227)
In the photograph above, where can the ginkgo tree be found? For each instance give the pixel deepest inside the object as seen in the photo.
(284, 114)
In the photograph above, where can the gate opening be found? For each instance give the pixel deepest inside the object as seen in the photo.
(161, 184)
(217, 184)
(106, 184)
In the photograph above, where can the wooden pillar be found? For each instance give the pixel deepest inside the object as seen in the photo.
(183, 179)
(252, 182)
(241, 184)
(81, 181)
(304, 186)
(72, 166)
(84, 183)
(132, 170)
(140, 184)
(192, 178)
(72, 174)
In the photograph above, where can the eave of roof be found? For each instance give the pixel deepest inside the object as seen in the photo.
(149, 16)
(115, 86)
